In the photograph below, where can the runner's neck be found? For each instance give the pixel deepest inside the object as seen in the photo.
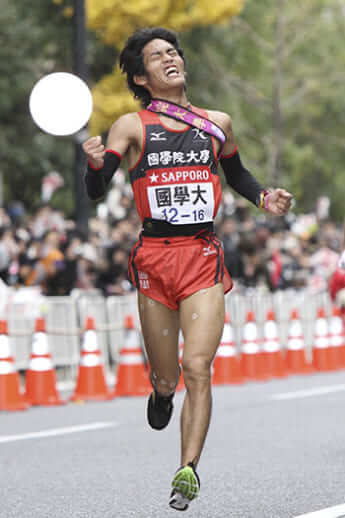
(181, 100)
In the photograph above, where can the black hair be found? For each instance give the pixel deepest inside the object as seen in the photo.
(132, 62)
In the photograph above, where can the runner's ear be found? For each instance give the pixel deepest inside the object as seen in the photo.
(140, 80)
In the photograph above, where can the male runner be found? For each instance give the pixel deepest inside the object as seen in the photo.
(177, 264)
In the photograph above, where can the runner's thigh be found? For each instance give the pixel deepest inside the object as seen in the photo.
(202, 322)
(160, 327)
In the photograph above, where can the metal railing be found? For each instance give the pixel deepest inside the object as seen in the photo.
(65, 318)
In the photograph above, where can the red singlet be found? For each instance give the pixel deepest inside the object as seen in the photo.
(176, 180)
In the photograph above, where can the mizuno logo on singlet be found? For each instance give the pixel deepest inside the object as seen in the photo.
(157, 136)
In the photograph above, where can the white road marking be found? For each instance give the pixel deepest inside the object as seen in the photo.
(316, 391)
(329, 512)
(53, 432)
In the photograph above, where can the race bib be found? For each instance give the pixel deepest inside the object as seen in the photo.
(181, 196)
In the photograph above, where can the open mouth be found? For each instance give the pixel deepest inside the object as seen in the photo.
(171, 71)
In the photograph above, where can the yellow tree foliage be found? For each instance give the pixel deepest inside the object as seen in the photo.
(115, 20)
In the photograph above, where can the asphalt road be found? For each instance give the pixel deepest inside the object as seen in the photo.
(274, 450)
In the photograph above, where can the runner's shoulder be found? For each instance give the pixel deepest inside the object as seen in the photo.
(222, 119)
(128, 124)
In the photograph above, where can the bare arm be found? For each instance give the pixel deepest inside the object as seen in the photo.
(125, 134)
(121, 135)
(103, 162)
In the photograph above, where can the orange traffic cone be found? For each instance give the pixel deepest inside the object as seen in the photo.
(226, 366)
(180, 385)
(251, 357)
(10, 395)
(336, 339)
(91, 383)
(273, 358)
(295, 350)
(40, 378)
(132, 378)
(321, 350)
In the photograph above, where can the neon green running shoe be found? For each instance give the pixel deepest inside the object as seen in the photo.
(185, 487)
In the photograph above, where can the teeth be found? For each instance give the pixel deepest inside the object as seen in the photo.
(171, 70)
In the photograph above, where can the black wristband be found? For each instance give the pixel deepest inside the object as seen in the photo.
(240, 179)
(97, 180)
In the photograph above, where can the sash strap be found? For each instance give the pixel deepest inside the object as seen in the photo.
(182, 114)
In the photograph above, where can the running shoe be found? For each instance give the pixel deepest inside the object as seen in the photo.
(186, 486)
(159, 410)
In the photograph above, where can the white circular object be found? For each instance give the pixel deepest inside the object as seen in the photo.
(60, 103)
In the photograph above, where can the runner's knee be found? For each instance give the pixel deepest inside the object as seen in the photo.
(165, 385)
(196, 368)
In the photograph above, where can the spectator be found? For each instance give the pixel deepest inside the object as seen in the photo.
(5, 220)
(113, 280)
(295, 265)
(337, 281)
(256, 250)
(48, 264)
(323, 262)
(88, 264)
(230, 237)
(254, 271)
(337, 288)
(66, 277)
(8, 250)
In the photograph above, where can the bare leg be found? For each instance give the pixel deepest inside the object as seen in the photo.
(160, 327)
(202, 322)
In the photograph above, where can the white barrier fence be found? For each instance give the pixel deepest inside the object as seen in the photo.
(65, 317)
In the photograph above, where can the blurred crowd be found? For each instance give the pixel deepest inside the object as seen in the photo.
(46, 250)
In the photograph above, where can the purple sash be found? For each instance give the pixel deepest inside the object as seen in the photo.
(179, 113)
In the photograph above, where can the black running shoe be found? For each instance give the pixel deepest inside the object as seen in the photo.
(159, 410)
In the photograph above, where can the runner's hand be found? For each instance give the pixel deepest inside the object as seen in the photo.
(94, 150)
(278, 202)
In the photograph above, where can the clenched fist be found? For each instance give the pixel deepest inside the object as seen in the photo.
(278, 202)
(94, 150)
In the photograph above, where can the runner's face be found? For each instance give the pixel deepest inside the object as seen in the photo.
(164, 66)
